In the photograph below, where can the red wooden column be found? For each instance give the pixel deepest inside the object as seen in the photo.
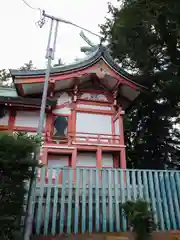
(99, 158)
(113, 128)
(123, 150)
(12, 118)
(99, 161)
(73, 163)
(115, 160)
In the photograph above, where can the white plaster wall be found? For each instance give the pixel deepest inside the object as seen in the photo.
(8, 92)
(107, 160)
(94, 107)
(4, 120)
(94, 96)
(86, 159)
(93, 123)
(64, 110)
(117, 132)
(33, 88)
(58, 161)
(63, 162)
(27, 119)
(63, 98)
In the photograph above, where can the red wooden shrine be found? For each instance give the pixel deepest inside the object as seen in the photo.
(84, 112)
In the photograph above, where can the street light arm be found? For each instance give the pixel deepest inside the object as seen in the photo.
(70, 23)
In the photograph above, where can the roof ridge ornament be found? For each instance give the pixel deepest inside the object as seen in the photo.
(88, 49)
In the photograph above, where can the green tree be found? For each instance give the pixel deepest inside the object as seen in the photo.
(27, 66)
(16, 169)
(5, 77)
(145, 37)
(5, 80)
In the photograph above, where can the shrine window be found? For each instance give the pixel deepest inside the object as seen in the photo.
(60, 128)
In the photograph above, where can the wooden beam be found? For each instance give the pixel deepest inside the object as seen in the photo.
(51, 88)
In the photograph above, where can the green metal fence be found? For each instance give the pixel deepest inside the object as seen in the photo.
(88, 200)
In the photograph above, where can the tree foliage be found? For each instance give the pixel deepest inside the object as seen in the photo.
(5, 77)
(140, 218)
(5, 80)
(27, 66)
(145, 38)
(16, 168)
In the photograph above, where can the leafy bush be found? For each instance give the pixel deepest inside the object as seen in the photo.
(16, 168)
(140, 218)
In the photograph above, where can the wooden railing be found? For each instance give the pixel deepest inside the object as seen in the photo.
(88, 138)
(89, 200)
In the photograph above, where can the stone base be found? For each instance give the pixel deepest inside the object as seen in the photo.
(170, 235)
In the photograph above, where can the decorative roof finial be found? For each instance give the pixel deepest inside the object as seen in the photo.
(89, 49)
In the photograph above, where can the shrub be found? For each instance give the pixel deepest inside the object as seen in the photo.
(140, 218)
(16, 168)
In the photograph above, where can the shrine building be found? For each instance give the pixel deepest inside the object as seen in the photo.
(86, 104)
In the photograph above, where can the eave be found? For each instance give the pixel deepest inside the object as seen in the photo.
(101, 53)
(19, 101)
(98, 67)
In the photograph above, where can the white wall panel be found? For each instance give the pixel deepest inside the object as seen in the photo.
(27, 119)
(93, 123)
(63, 98)
(107, 160)
(58, 161)
(94, 107)
(86, 159)
(117, 132)
(4, 120)
(64, 110)
(33, 88)
(8, 92)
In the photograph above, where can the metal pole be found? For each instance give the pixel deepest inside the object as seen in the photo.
(70, 23)
(49, 56)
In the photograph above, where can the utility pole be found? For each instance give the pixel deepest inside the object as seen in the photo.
(50, 52)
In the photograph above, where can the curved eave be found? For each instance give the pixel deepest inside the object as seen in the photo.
(77, 66)
(26, 101)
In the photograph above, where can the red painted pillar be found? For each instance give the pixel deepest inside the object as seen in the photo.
(49, 127)
(99, 158)
(115, 160)
(43, 159)
(73, 124)
(113, 128)
(73, 163)
(12, 118)
(99, 161)
(123, 150)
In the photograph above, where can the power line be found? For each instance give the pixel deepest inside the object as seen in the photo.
(68, 22)
(27, 4)
(41, 22)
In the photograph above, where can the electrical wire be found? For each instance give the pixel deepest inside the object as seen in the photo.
(42, 20)
(27, 4)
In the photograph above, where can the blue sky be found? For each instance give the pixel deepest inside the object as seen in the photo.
(22, 40)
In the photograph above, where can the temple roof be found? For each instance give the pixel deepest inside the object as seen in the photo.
(97, 70)
(92, 58)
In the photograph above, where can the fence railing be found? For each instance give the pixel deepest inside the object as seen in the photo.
(90, 138)
(89, 200)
